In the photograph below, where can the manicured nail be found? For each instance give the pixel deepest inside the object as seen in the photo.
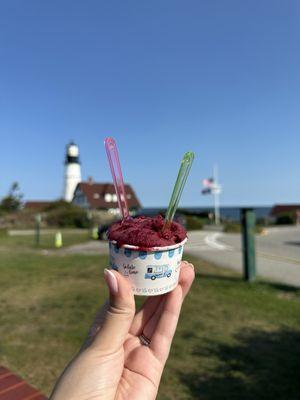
(188, 264)
(111, 281)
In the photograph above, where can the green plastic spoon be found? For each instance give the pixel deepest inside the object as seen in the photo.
(184, 170)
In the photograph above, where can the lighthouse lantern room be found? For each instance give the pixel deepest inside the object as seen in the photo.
(72, 171)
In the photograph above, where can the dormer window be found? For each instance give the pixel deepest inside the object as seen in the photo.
(96, 195)
(128, 196)
(114, 198)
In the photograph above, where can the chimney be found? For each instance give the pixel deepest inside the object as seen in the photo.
(90, 180)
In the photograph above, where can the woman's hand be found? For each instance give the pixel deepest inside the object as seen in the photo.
(115, 363)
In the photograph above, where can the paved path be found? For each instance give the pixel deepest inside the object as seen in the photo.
(94, 247)
(278, 252)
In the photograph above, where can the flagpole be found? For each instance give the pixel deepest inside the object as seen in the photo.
(216, 193)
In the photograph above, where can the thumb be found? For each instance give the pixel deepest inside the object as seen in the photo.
(119, 314)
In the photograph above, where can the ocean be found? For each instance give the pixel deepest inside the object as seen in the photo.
(229, 213)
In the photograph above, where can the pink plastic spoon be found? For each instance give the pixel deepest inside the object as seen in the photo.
(115, 167)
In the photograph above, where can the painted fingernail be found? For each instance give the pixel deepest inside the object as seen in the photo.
(111, 281)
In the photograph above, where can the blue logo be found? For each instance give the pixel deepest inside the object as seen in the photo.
(158, 271)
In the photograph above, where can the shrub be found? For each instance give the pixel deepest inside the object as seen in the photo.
(193, 223)
(286, 219)
(232, 227)
(65, 214)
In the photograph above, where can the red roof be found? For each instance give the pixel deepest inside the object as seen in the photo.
(95, 194)
(37, 205)
(284, 208)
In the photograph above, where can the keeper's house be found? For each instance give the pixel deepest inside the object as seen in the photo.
(279, 209)
(291, 211)
(101, 196)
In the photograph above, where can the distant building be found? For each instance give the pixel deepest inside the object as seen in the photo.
(72, 171)
(101, 196)
(280, 209)
(37, 205)
(286, 213)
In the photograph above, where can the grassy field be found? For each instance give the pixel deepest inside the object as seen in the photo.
(27, 242)
(234, 340)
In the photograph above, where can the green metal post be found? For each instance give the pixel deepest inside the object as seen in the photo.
(248, 239)
(38, 219)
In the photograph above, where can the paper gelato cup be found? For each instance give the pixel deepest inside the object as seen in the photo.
(150, 272)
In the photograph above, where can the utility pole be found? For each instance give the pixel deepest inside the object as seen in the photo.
(212, 186)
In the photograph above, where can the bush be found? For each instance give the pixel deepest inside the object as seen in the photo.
(65, 214)
(286, 219)
(58, 204)
(231, 227)
(193, 223)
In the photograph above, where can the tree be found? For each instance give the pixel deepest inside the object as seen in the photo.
(13, 201)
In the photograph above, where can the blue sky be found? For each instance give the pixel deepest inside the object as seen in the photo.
(221, 78)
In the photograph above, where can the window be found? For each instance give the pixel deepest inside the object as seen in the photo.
(128, 196)
(149, 270)
(114, 198)
(114, 211)
(96, 195)
(108, 197)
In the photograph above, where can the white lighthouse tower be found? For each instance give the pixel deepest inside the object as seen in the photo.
(72, 171)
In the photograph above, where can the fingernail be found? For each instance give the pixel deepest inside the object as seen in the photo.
(188, 264)
(111, 281)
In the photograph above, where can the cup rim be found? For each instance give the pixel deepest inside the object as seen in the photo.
(149, 249)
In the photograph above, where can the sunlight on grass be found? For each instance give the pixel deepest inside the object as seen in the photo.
(231, 335)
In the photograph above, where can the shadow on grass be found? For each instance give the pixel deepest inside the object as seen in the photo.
(239, 279)
(223, 278)
(262, 365)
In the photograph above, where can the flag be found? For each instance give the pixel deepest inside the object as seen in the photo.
(211, 187)
(208, 182)
(206, 191)
(208, 185)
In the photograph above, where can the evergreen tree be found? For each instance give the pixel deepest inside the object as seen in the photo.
(13, 200)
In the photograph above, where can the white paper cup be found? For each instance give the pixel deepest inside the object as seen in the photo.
(150, 272)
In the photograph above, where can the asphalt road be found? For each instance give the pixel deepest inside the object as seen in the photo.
(277, 252)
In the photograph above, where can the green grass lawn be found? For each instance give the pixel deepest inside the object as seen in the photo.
(27, 242)
(234, 340)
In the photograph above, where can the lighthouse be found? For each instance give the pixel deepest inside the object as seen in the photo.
(72, 171)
